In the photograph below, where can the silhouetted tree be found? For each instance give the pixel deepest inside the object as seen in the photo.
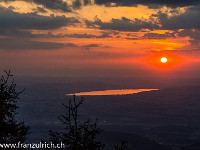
(77, 134)
(11, 130)
(122, 146)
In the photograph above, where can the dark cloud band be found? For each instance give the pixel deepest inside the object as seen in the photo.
(10, 19)
(170, 3)
(123, 24)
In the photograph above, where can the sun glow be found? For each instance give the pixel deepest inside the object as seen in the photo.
(163, 60)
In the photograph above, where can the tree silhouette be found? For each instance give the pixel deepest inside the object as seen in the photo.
(77, 135)
(122, 146)
(12, 131)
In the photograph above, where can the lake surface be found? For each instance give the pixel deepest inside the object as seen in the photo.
(113, 92)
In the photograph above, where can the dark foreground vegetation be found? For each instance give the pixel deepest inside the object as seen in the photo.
(11, 130)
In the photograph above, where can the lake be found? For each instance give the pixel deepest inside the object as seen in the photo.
(113, 92)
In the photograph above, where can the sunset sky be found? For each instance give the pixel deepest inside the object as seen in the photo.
(84, 37)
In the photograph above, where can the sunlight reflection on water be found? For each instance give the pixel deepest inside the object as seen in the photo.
(113, 92)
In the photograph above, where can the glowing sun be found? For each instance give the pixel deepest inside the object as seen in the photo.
(163, 60)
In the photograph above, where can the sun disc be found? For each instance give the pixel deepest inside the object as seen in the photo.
(163, 59)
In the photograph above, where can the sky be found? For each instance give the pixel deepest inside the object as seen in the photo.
(100, 37)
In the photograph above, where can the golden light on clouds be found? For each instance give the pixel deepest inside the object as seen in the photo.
(107, 13)
(136, 31)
